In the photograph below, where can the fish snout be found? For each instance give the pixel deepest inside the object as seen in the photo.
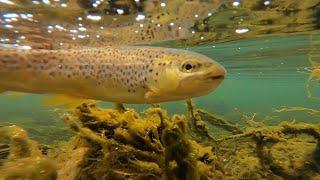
(218, 72)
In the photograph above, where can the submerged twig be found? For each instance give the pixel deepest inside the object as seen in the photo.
(197, 121)
(219, 122)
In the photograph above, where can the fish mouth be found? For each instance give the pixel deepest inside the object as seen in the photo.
(218, 74)
(215, 77)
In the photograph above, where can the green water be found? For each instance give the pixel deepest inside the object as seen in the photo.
(263, 74)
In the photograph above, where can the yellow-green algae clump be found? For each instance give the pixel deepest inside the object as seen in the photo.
(123, 144)
(127, 145)
(25, 158)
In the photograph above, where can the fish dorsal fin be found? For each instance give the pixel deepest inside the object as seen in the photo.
(65, 101)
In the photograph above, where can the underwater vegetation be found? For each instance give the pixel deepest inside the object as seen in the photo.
(121, 143)
(25, 158)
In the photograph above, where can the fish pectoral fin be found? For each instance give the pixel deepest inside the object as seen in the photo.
(152, 92)
(148, 95)
(65, 101)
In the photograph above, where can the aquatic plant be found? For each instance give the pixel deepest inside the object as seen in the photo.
(127, 145)
(25, 159)
(121, 143)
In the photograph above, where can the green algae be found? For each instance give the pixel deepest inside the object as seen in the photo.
(121, 143)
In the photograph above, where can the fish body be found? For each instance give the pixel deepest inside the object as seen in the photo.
(123, 74)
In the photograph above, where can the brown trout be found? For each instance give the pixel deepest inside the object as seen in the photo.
(122, 74)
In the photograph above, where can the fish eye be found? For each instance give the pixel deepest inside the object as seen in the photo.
(188, 67)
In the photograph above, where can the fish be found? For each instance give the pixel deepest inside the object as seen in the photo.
(120, 74)
(50, 26)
